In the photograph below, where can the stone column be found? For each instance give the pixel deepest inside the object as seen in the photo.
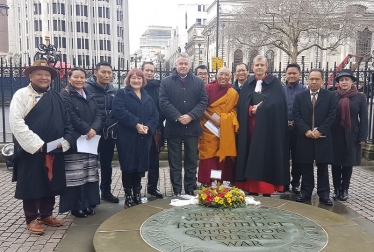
(4, 43)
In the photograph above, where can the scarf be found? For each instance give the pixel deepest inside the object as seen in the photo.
(343, 106)
(38, 89)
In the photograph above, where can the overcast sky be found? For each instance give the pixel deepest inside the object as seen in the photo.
(143, 13)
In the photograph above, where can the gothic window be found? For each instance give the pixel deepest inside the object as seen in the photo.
(238, 58)
(270, 59)
(363, 44)
(252, 55)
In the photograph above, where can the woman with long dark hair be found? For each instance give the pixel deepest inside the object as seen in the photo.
(349, 132)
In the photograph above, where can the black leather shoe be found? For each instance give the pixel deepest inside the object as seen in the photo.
(336, 194)
(296, 190)
(109, 197)
(177, 194)
(89, 211)
(343, 195)
(190, 193)
(79, 213)
(302, 198)
(156, 193)
(326, 201)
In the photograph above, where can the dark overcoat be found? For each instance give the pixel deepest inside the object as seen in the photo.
(103, 96)
(83, 112)
(152, 87)
(50, 121)
(319, 150)
(346, 147)
(264, 156)
(178, 98)
(133, 148)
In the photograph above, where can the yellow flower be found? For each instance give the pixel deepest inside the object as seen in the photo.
(203, 196)
(216, 199)
(220, 202)
(229, 200)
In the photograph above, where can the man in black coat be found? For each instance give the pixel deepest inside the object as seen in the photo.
(100, 86)
(37, 116)
(183, 100)
(152, 87)
(314, 113)
(262, 160)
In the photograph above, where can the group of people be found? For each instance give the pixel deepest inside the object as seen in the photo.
(277, 123)
(256, 126)
(39, 115)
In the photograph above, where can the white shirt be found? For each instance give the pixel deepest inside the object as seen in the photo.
(22, 102)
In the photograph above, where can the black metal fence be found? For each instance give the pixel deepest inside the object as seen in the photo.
(12, 79)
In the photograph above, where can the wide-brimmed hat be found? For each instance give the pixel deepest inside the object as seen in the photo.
(345, 72)
(41, 65)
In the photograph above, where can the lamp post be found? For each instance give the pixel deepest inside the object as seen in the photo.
(199, 53)
(217, 29)
(136, 60)
(207, 48)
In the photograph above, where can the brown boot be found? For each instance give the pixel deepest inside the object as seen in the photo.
(52, 221)
(35, 227)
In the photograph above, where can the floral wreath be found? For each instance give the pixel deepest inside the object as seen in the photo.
(221, 196)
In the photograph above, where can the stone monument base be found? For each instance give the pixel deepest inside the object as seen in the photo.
(276, 225)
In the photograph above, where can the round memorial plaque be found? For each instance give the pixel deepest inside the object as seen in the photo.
(251, 228)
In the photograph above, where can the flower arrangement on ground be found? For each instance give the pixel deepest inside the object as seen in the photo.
(221, 196)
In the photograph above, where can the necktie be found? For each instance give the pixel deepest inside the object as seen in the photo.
(314, 99)
(258, 87)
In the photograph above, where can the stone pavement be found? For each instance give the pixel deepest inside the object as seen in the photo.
(15, 237)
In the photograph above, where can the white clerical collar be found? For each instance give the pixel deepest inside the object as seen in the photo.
(258, 87)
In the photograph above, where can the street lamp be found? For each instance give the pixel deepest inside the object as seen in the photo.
(136, 60)
(217, 29)
(199, 53)
(208, 32)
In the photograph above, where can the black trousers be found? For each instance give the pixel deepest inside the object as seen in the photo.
(296, 167)
(175, 162)
(153, 168)
(307, 183)
(106, 151)
(131, 179)
(341, 176)
(35, 208)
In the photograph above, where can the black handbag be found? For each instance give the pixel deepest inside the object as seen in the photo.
(110, 126)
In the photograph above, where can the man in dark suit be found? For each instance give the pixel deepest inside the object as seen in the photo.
(314, 113)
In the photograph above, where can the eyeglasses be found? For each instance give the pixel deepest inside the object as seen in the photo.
(202, 74)
(241, 70)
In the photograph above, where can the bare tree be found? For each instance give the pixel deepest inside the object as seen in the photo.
(293, 26)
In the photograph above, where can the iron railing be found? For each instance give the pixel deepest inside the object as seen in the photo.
(11, 79)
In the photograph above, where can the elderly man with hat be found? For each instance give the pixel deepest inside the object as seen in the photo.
(37, 117)
(349, 132)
